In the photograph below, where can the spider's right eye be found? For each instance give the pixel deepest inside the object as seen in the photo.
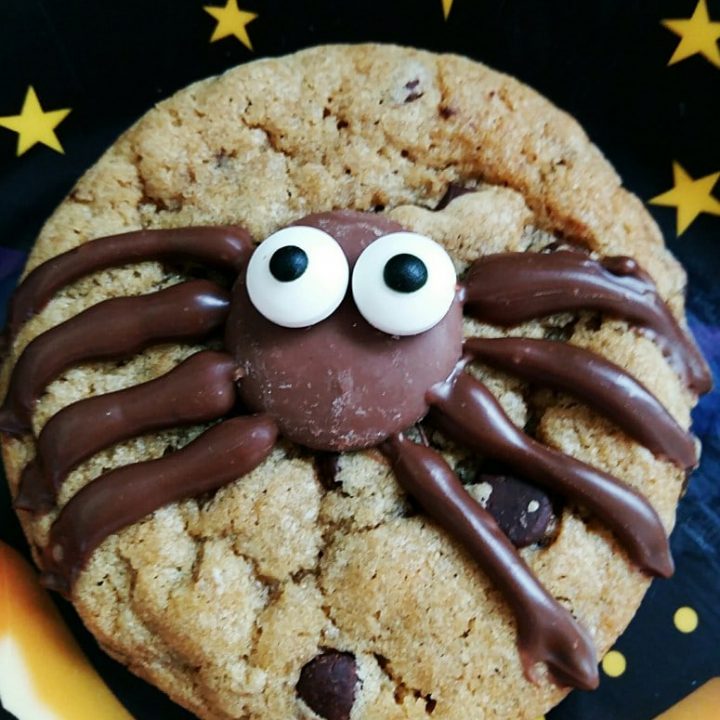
(298, 276)
(404, 283)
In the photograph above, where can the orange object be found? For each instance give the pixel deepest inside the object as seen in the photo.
(43, 673)
(702, 704)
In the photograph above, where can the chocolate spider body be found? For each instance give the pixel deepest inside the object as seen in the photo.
(340, 384)
(348, 372)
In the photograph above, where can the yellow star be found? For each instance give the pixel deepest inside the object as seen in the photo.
(699, 35)
(447, 7)
(33, 125)
(690, 197)
(231, 21)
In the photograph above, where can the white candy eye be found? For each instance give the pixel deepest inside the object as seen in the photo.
(298, 276)
(404, 283)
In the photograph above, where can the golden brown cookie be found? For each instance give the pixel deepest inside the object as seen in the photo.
(318, 570)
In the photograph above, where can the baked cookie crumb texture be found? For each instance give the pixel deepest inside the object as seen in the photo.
(325, 492)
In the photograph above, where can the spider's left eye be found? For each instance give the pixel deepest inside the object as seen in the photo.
(298, 276)
(404, 283)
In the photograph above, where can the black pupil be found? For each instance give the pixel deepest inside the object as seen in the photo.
(405, 273)
(288, 263)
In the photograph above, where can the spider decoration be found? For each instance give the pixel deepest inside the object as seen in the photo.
(342, 331)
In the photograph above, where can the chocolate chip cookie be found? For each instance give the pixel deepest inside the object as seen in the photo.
(317, 394)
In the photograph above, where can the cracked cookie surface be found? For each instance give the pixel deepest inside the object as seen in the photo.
(222, 600)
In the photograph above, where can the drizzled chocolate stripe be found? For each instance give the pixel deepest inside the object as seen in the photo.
(121, 497)
(470, 414)
(510, 288)
(546, 631)
(224, 247)
(200, 389)
(110, 330)
(604, 386)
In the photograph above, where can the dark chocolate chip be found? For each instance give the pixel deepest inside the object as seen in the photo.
(326, 467)
(327, 684)
(524, 512)
(413, 94)
(453, 191)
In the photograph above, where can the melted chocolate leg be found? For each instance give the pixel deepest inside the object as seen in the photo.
(547, 632)
(198, 390)
(123, 496)
(110, 330)
(470, 414)
(223, 247)
(604, 386)
(543, 284)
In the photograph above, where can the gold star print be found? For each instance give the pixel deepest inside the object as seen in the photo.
(447, 7)
(33, 125)
(231, 22)
(690, 197)
(699, 35)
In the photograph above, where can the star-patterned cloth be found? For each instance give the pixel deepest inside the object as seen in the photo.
(699, 35)
(641, 77)
(231, 22)
(34, 125)
(690, 197)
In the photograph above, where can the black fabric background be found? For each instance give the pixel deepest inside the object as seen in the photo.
(605, 62)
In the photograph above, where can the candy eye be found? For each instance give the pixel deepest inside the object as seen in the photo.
(298, 276)
(404, 283)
